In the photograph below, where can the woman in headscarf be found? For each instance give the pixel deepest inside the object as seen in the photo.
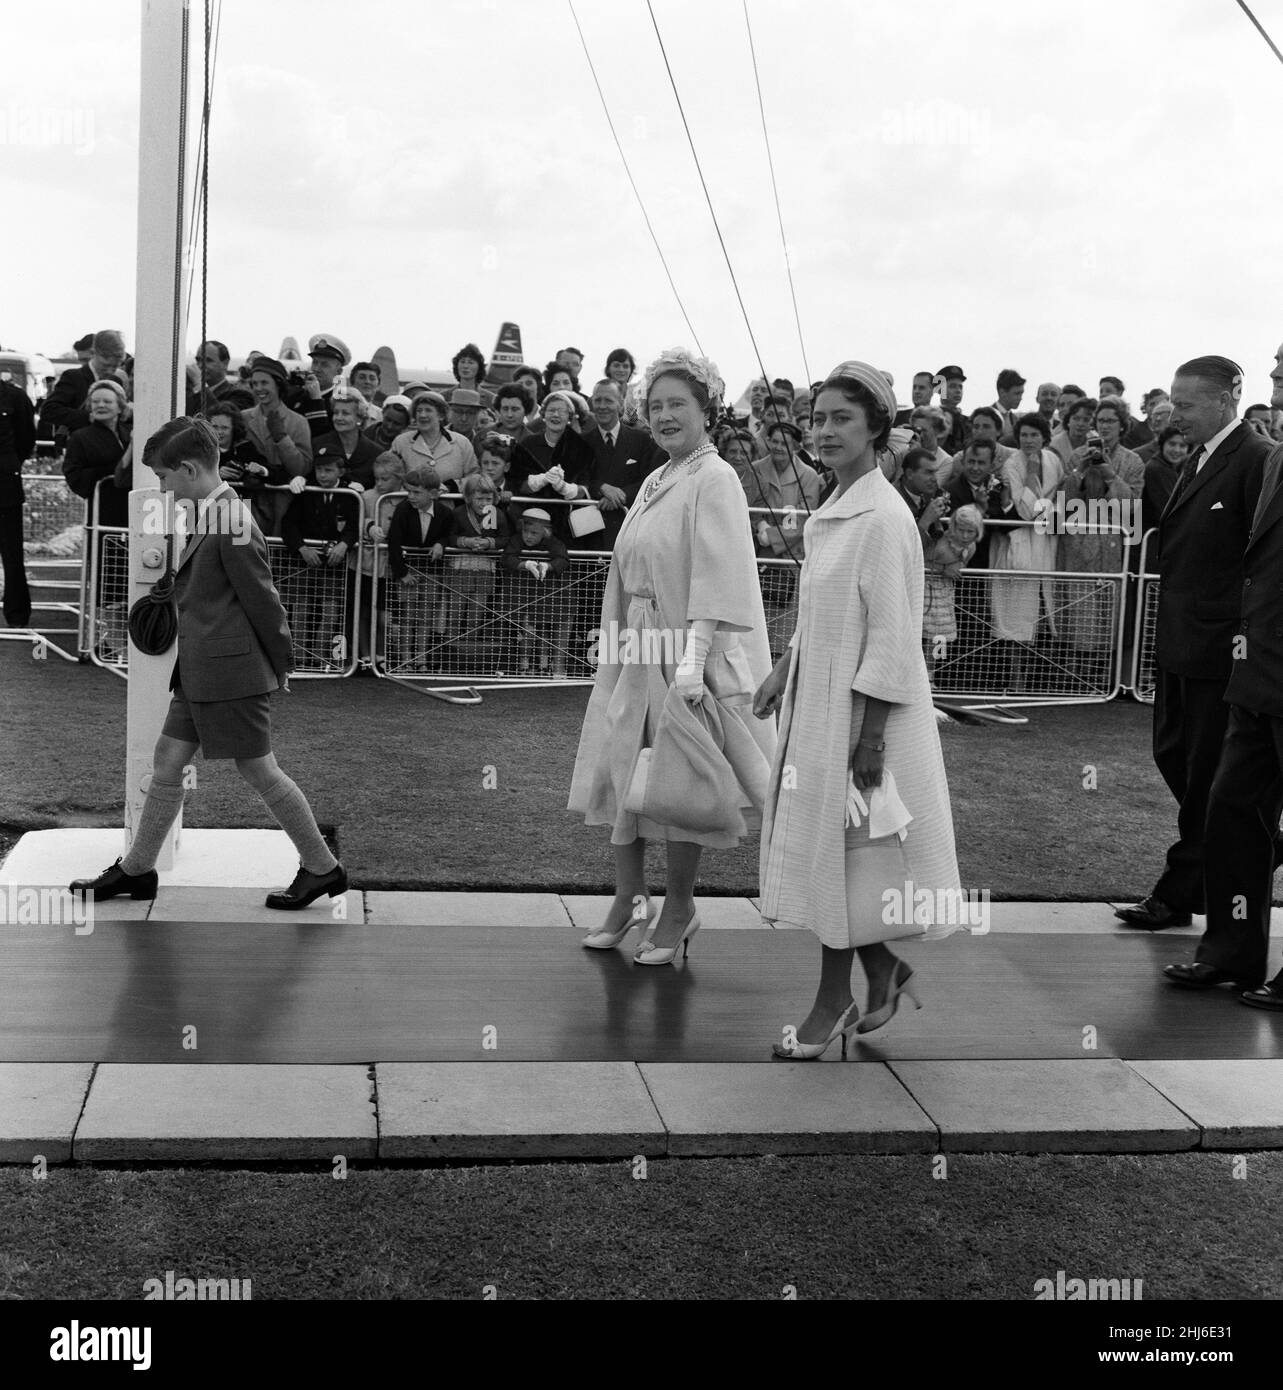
(857, 730)
(682, 610)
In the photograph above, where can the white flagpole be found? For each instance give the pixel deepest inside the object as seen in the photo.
(168, 97)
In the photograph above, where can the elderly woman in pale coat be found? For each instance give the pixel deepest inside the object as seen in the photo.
(855, 705)
(683, 572)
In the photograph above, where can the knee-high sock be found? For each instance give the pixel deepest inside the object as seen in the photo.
(160, 810)
(284, 800)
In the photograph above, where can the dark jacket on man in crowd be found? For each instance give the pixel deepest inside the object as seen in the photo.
(961, 494)
(17, 440)
(1203, 533)
(625, 465)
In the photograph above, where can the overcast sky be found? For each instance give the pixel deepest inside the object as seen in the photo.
(1068, 189)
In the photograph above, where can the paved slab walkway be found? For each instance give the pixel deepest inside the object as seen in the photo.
(1066, 1074)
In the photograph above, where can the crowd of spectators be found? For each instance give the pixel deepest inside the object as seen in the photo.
(501, 483)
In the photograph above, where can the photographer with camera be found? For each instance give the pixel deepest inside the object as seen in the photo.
(312, 392)
(1103, 448)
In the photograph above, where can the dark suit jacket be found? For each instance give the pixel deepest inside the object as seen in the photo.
(322, 516)
(1256, 679)
(64, 406)
(1201, 547)
(405, 532)
(960, 495)
(233, 638)
(626, 465)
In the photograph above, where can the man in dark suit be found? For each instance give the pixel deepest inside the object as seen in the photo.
(64, 407)
(622, 457)
(234, 649)
(17, 444)
(978, 487)
(1202, 534)
(1246, 798)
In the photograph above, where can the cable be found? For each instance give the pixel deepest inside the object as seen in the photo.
(726, 256)
(178, 326)
(770, 162)
(204, 209)
(631, 180)
(1260, 28)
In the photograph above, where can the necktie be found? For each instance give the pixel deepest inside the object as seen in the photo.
(1188, 469)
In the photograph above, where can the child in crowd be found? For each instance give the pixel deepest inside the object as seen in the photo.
(495, 458)
(420, 524)
(478, 530)
(376, 517)
(946, 558)
(320, 528)
(535, 561)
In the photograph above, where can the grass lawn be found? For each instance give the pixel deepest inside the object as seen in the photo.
(833, 1227)
(1068, 807)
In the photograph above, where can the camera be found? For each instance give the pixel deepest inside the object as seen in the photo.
(1095, 448)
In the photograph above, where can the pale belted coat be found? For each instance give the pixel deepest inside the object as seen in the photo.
(685, 554)
(858, 636)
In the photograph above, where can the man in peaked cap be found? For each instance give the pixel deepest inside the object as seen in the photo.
(315, 399)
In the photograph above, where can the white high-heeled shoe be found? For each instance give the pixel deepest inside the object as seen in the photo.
(807, 1052)
(646, 954)
(899, 985)
(607, 940)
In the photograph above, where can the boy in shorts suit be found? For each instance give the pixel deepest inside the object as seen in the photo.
(234, 649)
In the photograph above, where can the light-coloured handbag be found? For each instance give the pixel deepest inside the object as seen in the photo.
(586, 521)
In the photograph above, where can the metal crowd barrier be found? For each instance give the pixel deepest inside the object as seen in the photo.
(53, 548)
(466, 619)
(1146, 625)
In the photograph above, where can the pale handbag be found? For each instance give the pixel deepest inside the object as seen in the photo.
(586, 521)
(684, 779)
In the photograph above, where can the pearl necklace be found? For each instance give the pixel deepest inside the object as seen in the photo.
(657, 480)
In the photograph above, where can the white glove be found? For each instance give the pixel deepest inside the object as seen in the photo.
(556, 475)
(531, 567)
(763, 533)
(544, 567)
(356, 487)
(689, 677)
(856, 806)
(297, 485)
(537, 480)
(566, 489)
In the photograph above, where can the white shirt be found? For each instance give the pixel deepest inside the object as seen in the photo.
(1214, 443)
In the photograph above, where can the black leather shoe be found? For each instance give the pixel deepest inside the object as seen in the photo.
(1197, 976)
(1269, 996)
(114, 881)
(307, 887)
(1153, 914)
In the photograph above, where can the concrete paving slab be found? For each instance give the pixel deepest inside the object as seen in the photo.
(588, 910)
(250, 858)
(195, 1111)
(1237, 1102)
(40, 1103)
(241, 904)
(465, 909)
(1060, 1106)
(786, 1107)
(515, 1110)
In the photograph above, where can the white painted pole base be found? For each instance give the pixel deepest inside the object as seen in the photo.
(150, 512)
